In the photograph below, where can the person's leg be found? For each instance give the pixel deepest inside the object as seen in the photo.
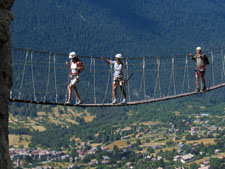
(202, 74)
(197, 81)
(114, 88)
(124, 94)
(77, 93)
(204, 81)
(122, 87)
(69, 92)
(115, 84)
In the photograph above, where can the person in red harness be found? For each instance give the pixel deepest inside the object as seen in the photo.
(75, 67)
(201, 62)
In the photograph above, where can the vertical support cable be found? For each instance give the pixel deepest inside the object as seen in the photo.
(94, 81)
(89, 80)
(107, 86)
(111, 75)
(186, 72)
(68, 82)
(66, 95)
(128, 86)
(172, 78)
(32, 74)
(212, 69)
(223, 66)
(49, 69)
(158, 62)
(56, 94)
(24, 68)
(144, 77)
(174, 85)
(188, 80)
(142, 80)
(157, 84)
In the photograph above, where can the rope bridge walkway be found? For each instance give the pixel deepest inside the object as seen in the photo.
(42, 78)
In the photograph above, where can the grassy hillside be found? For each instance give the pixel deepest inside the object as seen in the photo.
(52, 123)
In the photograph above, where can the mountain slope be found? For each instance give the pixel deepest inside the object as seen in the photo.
(132, 27)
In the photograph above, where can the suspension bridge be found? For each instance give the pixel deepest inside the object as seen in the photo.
(42, 78)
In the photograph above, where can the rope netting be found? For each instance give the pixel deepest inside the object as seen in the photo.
(43, 76)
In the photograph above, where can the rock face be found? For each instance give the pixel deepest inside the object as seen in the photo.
(5, 80)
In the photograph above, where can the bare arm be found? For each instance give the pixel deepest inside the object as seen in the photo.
(80, 66)
(106, 60)
(68, 65)
(192, 56)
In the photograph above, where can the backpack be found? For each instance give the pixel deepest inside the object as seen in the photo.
(205, 60)
(79, 63)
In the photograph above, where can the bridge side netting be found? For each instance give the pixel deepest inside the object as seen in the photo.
(43, 76)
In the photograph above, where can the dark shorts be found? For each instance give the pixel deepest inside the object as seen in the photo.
(200, 71)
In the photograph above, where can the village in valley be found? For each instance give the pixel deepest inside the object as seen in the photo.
(193, 142)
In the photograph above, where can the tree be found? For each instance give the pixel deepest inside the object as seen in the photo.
(138, 142)
(169, 143)
(150, 150)
(88, 158)
(115, 150)
(215, 163)
(32, 145)
(74, 153)
(169, 155)
(194, 166)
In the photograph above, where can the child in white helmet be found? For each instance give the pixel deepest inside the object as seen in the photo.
(118, 77)
(75, 67)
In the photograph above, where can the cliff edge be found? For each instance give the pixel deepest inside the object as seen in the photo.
(5, 80)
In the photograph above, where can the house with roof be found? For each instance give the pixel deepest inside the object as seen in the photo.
(187, 158)
(176, 158)
(217, 151)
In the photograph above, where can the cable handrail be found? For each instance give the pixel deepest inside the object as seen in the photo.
(208, 52)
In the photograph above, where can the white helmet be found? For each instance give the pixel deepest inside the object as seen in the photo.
(198, 48)
(72, 55)
(119, 56)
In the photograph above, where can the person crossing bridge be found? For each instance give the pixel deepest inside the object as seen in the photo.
(201, 62)
(75, 67)
(118, 77)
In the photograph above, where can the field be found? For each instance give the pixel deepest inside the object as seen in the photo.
(204, 141)
(19, 141)
(37, 123)
(119, 144)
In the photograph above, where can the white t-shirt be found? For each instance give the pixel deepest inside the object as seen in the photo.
(118, 69)
(73, 67)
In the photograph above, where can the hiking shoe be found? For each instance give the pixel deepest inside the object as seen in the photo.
(204, 89)
(124, 101)
(197, 89)
(114, 101)
(79, 102)
(67, 102)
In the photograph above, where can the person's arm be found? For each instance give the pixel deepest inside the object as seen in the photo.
(80, 66)
(192, 56)
(68, 65)
(106, 60)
